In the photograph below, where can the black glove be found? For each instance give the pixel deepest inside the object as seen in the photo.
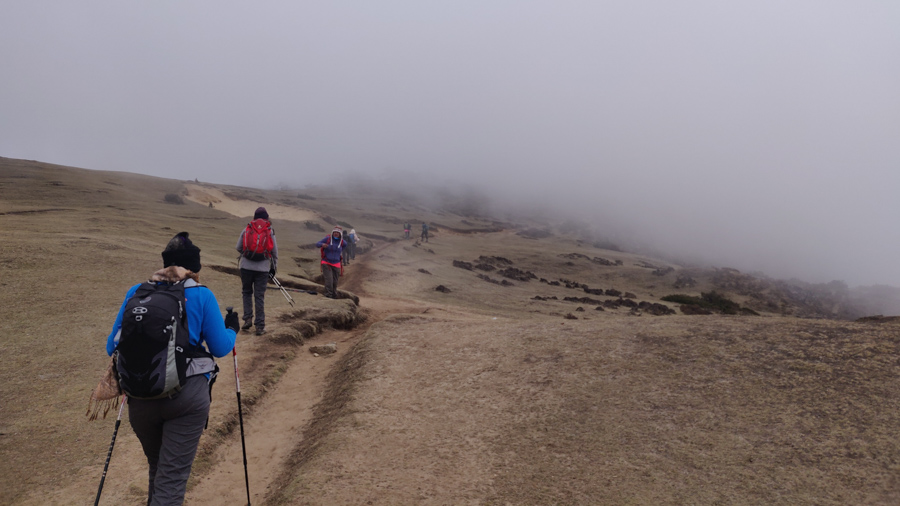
(272, 268)
(231, 321)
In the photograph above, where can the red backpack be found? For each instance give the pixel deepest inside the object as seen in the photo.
(258, 243)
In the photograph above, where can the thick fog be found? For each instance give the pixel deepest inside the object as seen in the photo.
(757, 134)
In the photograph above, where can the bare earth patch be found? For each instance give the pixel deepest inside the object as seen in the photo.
(244, 208)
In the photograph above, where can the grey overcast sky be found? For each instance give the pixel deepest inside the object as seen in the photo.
(759, 134)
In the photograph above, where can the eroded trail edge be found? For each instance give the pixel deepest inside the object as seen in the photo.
(292, 411)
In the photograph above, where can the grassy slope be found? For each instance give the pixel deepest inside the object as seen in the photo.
(527, 408)
(508, 401)
(82, 238)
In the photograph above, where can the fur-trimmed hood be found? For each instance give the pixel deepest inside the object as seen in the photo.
(173, 274)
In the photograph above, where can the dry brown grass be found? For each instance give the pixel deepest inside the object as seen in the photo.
(479, 395)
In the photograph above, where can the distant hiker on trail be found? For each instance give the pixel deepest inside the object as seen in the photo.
(169, 412)
(345, 254)
(424, 231)
(406, 228)
(353, 239)
(259, 260)
(332, 248)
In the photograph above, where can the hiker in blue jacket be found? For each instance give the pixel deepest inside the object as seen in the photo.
(169, 428)
(332, 248)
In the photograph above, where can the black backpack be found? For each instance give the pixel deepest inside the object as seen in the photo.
(154, 351)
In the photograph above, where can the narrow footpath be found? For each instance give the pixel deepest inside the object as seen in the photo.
(276, 425)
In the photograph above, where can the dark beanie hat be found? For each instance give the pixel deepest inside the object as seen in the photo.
(261, 213)
(181, 252)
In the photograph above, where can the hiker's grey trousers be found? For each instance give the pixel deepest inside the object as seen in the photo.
(331, 275)
(169, 430)
(253, 289)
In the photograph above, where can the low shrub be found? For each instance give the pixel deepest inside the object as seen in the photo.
(173, 198)
(712, 301)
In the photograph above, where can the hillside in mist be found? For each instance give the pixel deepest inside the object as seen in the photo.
(536, 218)
(517, 356)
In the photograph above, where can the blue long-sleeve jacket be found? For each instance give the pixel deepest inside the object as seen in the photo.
(332, 248)
(205, 322)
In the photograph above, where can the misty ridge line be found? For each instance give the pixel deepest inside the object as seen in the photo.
(389, 201)
(417, 194)
(589, 225)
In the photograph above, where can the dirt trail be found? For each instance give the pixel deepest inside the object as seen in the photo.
(275, 426)
(271, 431)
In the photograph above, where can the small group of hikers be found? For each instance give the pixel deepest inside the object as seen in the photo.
(350, 239)
(407, 228)
(165, 339)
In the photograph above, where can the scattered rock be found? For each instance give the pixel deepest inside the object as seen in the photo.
(603, 261)
(582, 300)
(517, 274)
(579, 308)
(612, 293)
(442, 289)
(462, 265)
(629, 295)
(494, 260)
(570, 316)
(494, 281)
(627, 303)
(596, 260)
(423, 271)
(323, 349)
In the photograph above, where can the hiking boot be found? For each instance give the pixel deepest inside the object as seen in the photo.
(260, 332)
(246, 325)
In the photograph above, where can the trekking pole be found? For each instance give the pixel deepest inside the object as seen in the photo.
(283, 291)
(237, 388)
(109, 453)
(311, 292)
